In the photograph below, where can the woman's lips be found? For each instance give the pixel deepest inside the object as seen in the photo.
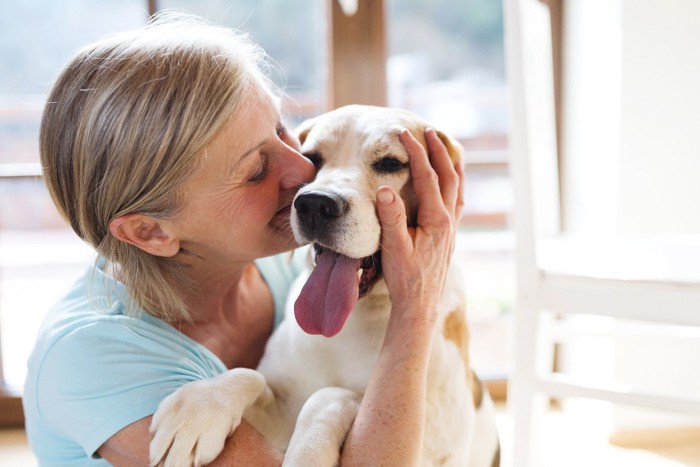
(281, 217)
(284, 212)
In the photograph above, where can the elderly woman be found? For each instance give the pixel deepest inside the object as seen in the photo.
(165, 150)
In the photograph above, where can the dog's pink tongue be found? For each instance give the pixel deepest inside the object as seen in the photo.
(329, 295)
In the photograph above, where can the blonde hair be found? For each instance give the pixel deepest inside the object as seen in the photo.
(124, 128)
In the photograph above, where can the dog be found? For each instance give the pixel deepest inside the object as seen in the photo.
(307, 388)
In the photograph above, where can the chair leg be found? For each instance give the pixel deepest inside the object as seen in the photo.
(533, 358)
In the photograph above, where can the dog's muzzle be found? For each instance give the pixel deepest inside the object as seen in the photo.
(337, 281)
(317, 212)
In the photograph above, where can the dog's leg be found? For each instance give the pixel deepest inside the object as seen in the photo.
(192, 424)
(321, 428)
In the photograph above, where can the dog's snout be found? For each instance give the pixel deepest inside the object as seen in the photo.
(317, 210)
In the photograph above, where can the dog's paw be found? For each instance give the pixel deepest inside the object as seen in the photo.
(321, 428)
(192, 424)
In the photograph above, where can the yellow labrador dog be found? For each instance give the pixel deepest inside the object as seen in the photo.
(305, 394)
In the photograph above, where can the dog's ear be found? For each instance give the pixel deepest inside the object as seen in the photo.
(453, 147)
(302, 131)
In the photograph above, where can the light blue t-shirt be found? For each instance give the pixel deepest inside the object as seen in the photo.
(94, 370)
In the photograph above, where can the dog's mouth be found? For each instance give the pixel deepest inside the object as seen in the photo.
(369, 272)
(333, 288)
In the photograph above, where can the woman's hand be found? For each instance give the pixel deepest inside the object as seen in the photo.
(415, 260)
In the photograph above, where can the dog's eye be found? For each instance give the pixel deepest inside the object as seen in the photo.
(389, 164)
(315, 159)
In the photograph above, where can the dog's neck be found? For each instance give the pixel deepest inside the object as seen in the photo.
(375, 303)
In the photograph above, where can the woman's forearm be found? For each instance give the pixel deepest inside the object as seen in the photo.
(388, 429)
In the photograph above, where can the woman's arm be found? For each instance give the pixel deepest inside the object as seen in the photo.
(388, 429)
(246, 447)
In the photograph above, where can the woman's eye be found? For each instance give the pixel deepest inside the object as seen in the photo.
(260, 173)
(281, 130)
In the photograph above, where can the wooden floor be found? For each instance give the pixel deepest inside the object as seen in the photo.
(14, 450)
(571, 437)
(579, 435)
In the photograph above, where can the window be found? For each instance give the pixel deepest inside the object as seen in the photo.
(293, 35)
(444, 60)
(39, 256)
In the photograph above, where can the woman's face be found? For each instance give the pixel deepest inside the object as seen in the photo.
(237, 207)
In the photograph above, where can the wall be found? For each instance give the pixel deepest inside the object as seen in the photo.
(660, 130)
(631, 149)
(659, 189)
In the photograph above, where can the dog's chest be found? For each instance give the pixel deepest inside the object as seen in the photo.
(450, 412)
(352, 354)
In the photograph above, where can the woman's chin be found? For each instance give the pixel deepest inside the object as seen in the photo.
(284, 240)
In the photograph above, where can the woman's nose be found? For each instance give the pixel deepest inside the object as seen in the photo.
(297, 169)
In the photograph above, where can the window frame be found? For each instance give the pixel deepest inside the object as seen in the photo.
(11, 411)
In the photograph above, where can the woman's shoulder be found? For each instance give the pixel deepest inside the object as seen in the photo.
(96, 318)
(94, 302)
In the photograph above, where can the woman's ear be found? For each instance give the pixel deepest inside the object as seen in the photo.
(147, 233)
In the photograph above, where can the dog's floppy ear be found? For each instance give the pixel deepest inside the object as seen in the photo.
(453, 147)
(302, 131)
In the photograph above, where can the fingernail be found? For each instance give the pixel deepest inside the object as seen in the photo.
(385, 196)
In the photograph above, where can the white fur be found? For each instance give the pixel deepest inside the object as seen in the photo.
(316, 383)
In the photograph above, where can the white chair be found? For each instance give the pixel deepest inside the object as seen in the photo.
(644, 278)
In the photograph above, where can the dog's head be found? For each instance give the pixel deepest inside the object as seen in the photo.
(356, 149)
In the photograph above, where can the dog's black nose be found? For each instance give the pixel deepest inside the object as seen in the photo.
(317, 210)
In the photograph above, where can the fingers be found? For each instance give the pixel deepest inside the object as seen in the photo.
(459, 206)
(443, 166)
(425, 180)
(436, 180)
(392, 217)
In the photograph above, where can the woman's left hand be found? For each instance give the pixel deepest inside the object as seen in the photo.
(415, 260)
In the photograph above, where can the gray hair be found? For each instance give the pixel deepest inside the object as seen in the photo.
(124, 129)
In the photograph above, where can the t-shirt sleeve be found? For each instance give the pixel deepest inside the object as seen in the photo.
(105, 375)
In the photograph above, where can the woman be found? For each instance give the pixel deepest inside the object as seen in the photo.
(165, 151)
